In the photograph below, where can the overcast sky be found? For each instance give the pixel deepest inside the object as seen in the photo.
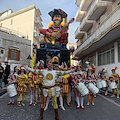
(45, 6)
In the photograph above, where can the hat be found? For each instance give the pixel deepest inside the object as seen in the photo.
(57, 12)
(87, 62)
(93, 67)
(17, 68)
(114, 69)
(41, 61)
(105, 70)
(56, 65)
(22, 68)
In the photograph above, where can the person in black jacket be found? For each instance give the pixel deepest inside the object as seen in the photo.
(6, 73)
(1, 75)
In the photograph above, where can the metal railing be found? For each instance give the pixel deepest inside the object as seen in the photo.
(13, 32)
(105, 25)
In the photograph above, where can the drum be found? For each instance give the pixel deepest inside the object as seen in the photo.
(104, 84)
(11, 90)
(82, 89)
(57, 91)
(99, 83)
(93, 89)
(112, 85)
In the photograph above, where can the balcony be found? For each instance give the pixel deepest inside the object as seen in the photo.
(109, 0)
(38, 21)
(85, 4)
(36, 34)
(78, 2)
(79, 15)
(86, 24)
(97, 9)
(79, 34)
(106, 32)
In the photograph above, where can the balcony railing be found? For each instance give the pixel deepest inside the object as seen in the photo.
(85, 4)
(13, 32)
(105, 25)
(38, 21)
(78, 2)
(86, 24)
(79, 15)
(97, 9)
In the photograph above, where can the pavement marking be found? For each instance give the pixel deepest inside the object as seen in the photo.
(112, 101)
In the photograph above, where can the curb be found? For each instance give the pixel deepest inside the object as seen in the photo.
(2, 91)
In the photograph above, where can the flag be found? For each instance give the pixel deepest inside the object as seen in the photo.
(32, 64)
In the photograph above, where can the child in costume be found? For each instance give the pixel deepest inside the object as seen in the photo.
(115, 78)
(34, 81)
(22, 86)
(12, 79)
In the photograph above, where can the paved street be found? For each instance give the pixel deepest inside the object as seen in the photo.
(106, 108)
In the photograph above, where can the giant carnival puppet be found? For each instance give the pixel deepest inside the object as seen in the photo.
(57, 31)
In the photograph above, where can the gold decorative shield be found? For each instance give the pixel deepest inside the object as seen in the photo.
(49, 76)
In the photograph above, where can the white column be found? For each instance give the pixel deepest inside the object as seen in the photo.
(96, 58)
(116, 52)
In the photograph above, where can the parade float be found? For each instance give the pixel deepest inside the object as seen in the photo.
(53, 43)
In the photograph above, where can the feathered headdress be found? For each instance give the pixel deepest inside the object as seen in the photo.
(79, 63)
(105, 70)
(115, 68)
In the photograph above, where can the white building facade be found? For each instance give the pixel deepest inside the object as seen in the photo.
(25, 23)
(98, 37)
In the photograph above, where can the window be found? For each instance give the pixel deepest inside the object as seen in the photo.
(13, 54)
(118, 51)
(2, 51)
(106, 55)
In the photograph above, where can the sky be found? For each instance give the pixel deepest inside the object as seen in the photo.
(45, 7)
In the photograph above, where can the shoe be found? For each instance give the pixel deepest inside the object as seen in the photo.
(19, 104)
(63, 108)
(88, 103)
(93, 103)
(117, 96)
(68, 104)
(95, 96)
(83, 107)
(77, 107)
(30, 104)
(106, 94)
(13, 102)
(9, 103)
(112, 95)
(35, 103)
(22, 104)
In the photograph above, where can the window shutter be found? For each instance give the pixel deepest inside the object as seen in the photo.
(9, 54)
(18, 56)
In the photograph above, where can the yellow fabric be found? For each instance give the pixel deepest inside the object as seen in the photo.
(22, 80)
(33, 77)
(117, 91)
(65, 84)
(116, 76)
(32, 64)
(51, 24)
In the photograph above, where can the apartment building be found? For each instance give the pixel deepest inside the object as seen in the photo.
(98, 37)
(24, 23)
